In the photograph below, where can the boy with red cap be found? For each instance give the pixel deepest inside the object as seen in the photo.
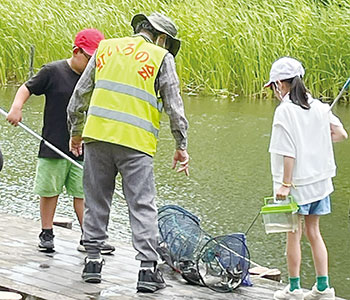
(56, 80)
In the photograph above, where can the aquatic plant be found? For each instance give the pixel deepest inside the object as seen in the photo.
(227, 46)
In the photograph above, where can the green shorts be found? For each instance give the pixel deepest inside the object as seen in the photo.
(52, 174)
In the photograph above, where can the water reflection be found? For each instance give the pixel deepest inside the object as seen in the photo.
(230, 175)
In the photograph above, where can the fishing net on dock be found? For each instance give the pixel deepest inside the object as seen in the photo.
(220, 263)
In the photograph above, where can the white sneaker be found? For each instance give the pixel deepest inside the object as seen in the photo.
(315, 294)
(286, 294)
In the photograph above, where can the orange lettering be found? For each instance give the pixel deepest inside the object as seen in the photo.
(102, 57)
(150, 69)
(143, 73)
(109, 52)
(100, 62)
(146, 72)
(139, 56)
(129, 49)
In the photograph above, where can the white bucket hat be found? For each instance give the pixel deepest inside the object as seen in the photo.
(285, 68)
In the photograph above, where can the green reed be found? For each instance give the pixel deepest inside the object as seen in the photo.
(227, 46)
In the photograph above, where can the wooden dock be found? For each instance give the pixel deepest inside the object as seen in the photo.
(57, 276)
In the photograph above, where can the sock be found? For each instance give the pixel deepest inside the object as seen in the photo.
(94, 259)
(294, 283)
(93, 255)
(322, 283)
(47, 233)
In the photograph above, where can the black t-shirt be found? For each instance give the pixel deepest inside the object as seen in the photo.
(56, 81)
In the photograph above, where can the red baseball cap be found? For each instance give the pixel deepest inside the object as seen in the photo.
(88, 40)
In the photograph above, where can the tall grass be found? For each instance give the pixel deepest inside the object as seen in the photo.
(227, 46)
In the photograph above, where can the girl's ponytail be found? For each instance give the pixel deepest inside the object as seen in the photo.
(298, 92)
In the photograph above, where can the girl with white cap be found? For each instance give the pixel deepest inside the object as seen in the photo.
(302, 165)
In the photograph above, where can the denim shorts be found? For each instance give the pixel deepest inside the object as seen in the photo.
(321, 207)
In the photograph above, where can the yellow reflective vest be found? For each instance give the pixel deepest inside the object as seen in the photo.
(124, 107)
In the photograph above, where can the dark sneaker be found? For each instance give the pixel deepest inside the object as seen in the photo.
(150, 281)
(105, 249)
(92, 270)
(46, 242)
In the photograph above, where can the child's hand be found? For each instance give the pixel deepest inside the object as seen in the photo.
(282, 193)
(14, 116)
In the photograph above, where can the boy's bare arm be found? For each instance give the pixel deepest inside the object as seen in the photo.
(15, 114)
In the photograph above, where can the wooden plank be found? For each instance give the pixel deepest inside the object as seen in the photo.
(30, 290)
(58, 275)
(10, 296)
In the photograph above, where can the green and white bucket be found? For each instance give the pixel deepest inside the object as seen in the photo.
(280, 216)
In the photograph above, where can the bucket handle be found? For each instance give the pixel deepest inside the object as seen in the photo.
(274, 200)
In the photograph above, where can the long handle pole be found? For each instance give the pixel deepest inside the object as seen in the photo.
(52, 147)
(48, 144)
(345, 86)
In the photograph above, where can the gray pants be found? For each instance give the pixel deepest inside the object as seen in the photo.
(102, 162)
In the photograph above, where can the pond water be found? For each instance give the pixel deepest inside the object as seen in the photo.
(230, 175)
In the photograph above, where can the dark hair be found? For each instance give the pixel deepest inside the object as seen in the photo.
(298, 92)
(145, 25)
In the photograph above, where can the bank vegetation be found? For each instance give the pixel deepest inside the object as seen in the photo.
(227, 46)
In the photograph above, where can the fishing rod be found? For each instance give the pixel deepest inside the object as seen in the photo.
(345, 86)
(52, 147)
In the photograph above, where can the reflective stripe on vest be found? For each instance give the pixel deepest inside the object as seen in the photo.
(122, 117)
(124, 108)
(130, 90)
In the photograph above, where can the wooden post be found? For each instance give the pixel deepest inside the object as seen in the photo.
(1, 160)
(272, 274)
(63, 222)
(31, 61)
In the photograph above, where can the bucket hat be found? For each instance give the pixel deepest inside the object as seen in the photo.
(162, 24)
(285, 68)
(88, 40)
